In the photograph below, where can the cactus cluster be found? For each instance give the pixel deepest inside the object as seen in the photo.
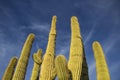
(50, 66)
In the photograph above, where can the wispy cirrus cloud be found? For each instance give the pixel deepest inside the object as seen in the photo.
(92, 70)
(64, 50)
(41, 27)
(89, 36)
(38, 27)
(110, 42)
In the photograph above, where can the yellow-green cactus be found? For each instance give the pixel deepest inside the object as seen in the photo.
(48, 64)
(10, 69)
(101, 65)
(61, 68)
(23, 60)
(37, 58)
(76, 50)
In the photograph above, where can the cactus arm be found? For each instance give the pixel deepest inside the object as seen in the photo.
(10, 69)
(101, 65)
(61, 68)
(23, 60)
(48, 64)
(37, 62)
(37, 57)
(76, 50)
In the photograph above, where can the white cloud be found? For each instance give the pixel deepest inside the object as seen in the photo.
(102, 4)
(110, 42)
(37, 27)
(89, 36)
(115, 67)
(41, 27)
(92, 70)
(63, 50)
(92, 67)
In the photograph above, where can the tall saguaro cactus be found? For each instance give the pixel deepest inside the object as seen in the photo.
(101, 65)
(61, 68)
(10, 69)
(48, 64)
(37, 58)
(76, 50)
(23, 60)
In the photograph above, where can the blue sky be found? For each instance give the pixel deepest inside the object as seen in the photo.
(99, 20)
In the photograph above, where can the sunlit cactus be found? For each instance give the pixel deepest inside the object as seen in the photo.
(37, 58)
(48, 64)
(61, 68)
(23, 60)
(101, 65)
(48, 67)
(10, 69)
(76, 50)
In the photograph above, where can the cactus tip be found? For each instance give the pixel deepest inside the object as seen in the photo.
(39, 51)
(74, 18)
(95, 44)
(32, 35)
(15, 58)
(60, 56)
(54, 17)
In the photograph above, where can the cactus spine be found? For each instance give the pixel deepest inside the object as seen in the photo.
(101, 65)
(76, 50)
(23, 60)
(10, 69)
(48, 64)
(37, 58)
(61, 68)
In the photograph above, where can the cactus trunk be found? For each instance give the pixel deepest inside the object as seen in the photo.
(37, 58)
(76, 50)
(101, 65)
(10, 69)
(61, 68)
(23, 60)
(48, 64)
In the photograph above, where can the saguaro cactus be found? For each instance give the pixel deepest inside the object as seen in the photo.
(48, 64)
(101, 65)
(76, 50)
(10, 69)
(23, 60)
(61, 68)
(37, 58)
